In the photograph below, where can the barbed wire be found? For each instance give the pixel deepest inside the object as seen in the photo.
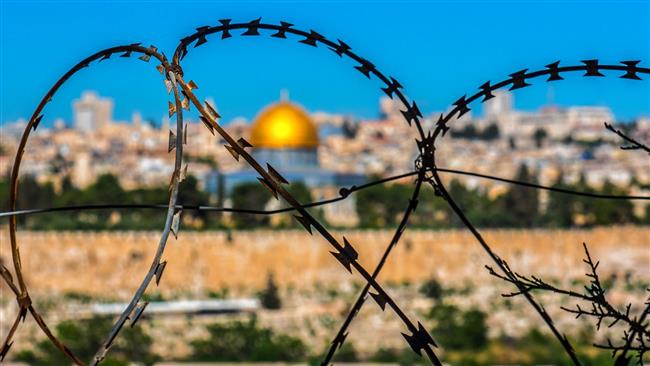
(427, 143)
(417, 337)
(22, 295)
(519, 80)
(601, 308)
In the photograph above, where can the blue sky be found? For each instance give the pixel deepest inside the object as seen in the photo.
(437, 50)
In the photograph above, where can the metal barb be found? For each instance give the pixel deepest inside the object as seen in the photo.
(418, 339)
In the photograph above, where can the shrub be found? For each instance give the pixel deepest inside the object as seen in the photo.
(269, 297)
(240, 341)
(457, 329)
(432, 289)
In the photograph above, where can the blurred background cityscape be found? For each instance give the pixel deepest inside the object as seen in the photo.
(252, 289)
(95, 159)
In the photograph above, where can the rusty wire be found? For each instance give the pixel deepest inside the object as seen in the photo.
(20, 290)
(518, 80)
(426, 171)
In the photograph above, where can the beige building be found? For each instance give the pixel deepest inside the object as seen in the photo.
(92, 113)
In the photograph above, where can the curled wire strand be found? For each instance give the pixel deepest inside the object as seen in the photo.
(338, 340)
(419, 336)
(392, 87)
(419, 339)
(135, 309)
(21, 290)
(518, 80)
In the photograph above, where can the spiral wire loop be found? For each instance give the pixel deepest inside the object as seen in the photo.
(426, 171)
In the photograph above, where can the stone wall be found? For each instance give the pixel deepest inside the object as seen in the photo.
(113, 263)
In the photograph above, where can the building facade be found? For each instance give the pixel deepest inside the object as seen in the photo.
(284, 136)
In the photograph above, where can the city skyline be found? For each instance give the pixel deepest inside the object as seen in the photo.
(549, 139)
(162, 120)
(428, 163)
(241, 84)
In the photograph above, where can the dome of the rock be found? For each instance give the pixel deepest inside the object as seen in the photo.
(284, 125)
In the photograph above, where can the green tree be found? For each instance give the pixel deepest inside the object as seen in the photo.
(59, 164)
(432, 289)
(137, 219)
(561, 207)
(521, 203)
(250, 196)
(459, 330)
(347, 353)
(539, 136)
(511, 143)
(584, 205)
(491, 132)
(477, 207)
(468, 132)
(84, 337)
(240, 341)
(4, 193)
(381, 206)
(302, 194)
(31, 194)
(432, 211)
(190, 194)
(403, 357)
(607, 212)
(106, 189)
(270, 297)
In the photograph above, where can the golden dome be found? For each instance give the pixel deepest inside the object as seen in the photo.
(284, 125)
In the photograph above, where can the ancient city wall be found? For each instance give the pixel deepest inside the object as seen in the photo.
(113, 263)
